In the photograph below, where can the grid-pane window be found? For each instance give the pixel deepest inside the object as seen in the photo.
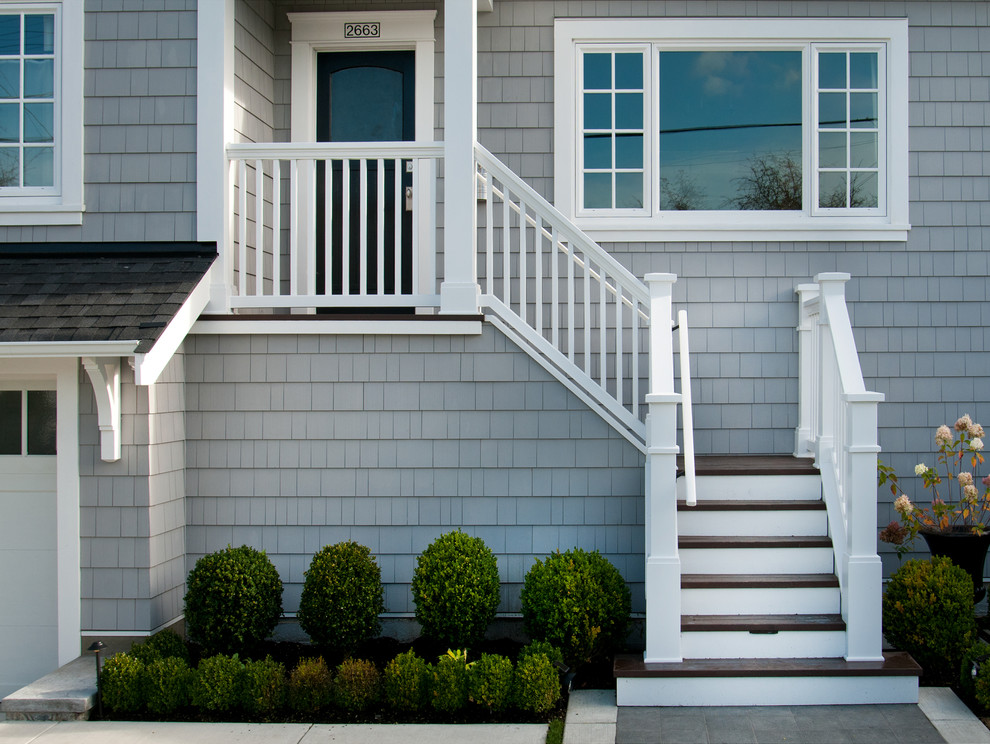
(849, 127)
(612, 130)
(27, 422)
(27, 100)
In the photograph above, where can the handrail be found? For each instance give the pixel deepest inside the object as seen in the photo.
(687, 415)
(579, 305)
(838, 422)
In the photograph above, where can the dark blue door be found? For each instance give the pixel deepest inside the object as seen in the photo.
(365, 97)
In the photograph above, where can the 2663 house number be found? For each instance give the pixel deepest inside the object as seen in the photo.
(363, 30)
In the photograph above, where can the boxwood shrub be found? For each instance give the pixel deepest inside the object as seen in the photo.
(218, 684)
(490, 682)
(342, 596)
(455, 588)
(406, 681)
(122, 684)
(356, 685)
(309, 686)
(233, 600)
(168, 685)
(577, 601)
(536, 684)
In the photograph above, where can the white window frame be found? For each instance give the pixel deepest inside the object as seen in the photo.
(61, 204)
(889, 222)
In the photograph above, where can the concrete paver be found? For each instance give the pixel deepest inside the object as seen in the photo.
(426, 734)
(951, 717)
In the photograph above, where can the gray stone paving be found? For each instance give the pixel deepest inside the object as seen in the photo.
(832, 724)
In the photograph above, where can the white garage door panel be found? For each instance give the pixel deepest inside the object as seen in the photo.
(28, 570)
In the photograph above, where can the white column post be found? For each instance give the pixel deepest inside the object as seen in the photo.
(663, 565)
(865, 574)
(459, 292)
(214, 129)
(803, 435)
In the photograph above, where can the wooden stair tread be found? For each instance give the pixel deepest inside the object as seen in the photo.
(757, 581)
(894, 664)
(761, 623)
(750, 465)
(748, 541)
(744, 505)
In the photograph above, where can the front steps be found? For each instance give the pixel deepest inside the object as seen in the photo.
(761, 619)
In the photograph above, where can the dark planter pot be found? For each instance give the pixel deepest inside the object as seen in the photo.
(963, 548)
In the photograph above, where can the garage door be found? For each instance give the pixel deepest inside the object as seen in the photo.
(28, 586)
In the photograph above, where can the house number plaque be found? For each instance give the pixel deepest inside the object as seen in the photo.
(363, 30)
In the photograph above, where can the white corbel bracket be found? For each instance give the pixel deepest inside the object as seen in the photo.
(104, 373)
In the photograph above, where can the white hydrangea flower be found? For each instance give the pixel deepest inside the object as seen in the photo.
(920, 469)
(976, 444)
(903, 505)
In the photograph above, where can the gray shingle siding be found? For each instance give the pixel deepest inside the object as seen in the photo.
(298, 442)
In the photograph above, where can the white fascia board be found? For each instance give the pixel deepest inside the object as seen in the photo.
(148, 366)
(66, 349)
(340, 327)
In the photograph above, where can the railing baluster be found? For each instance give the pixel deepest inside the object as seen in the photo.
(259, 227)
(619, 380)
(380, 233)
(276, 227)
(242, 288)
(489, 234)
(506, 248)
(399, 206)
(570, 302)
(587, 315)
(522, 260)
(602, 329)
(345, 227)
(634, 362)
(538, 272)
(294, 227)
(363, 223)
(327, 226)
(554, 289)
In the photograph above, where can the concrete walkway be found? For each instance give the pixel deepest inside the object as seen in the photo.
(592, 718)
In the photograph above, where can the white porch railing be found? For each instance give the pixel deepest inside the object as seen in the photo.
(332, 224)
(838, 424)
(552, 287)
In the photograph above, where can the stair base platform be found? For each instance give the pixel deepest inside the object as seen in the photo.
(709, 682)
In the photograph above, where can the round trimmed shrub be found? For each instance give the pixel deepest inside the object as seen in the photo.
(233, 600)
(164, 644)
(448, 688)
(928, 612)
(536, 684)
(342, 596)
(541, 647)
(122, 683)
(263, 687)
(218, 683)
(577, 601)
(309, 686)
(168, 682)
(455, 588)
(406, 682)
(356, 685)
(490, 682)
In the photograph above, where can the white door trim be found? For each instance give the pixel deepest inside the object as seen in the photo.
(65, 375)
(399, 30)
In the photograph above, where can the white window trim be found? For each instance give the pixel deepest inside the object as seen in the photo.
(892, 34)
(65, 205)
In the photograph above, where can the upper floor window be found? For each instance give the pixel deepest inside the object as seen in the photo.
(40, 113)
(717, 129)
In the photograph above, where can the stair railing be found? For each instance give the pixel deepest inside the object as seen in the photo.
(550, 286)
(838, 424)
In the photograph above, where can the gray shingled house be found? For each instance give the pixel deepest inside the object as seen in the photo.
(290, 272)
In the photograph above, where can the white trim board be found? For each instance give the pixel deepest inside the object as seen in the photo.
(339, 327)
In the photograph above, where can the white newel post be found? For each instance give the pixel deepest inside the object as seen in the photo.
(459, 292)
(663, 565)
(804, 443)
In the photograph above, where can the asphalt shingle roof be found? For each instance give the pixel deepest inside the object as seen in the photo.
(96, 293)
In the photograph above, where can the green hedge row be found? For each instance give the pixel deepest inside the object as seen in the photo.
(148, 680)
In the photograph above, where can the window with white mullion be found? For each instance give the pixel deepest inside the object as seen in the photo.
(612, 129)
(850, 143)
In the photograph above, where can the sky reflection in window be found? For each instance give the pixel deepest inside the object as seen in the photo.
(730, 130)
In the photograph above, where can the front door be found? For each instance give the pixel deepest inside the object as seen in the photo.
(365, 97)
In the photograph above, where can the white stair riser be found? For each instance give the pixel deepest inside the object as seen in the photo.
(804, 644)
(728, 523)
(755, 487)
(811, 690)
(756, 560)
(761, 601)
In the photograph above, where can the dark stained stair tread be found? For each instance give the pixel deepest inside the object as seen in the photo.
(744, 505)
(761, 623)
(894, 664)
(771, 541)
(757, 581)
(750, 465)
